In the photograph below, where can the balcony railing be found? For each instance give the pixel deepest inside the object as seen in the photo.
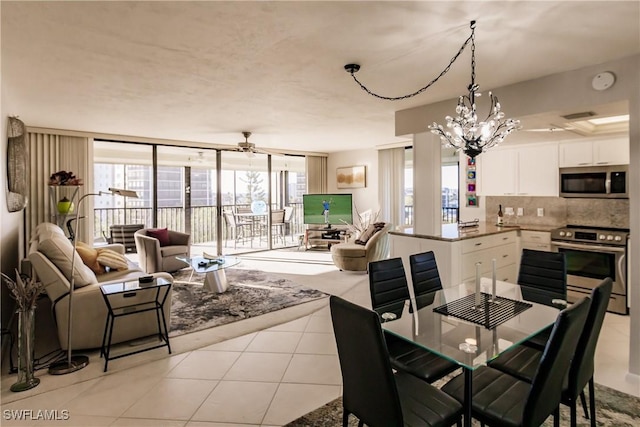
(203, 219)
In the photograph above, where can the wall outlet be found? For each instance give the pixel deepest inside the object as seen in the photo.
(540, 211)
(520, 212)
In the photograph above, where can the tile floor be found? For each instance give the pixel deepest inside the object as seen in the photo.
(264, 378)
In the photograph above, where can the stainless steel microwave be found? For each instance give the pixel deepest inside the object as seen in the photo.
(610, 182)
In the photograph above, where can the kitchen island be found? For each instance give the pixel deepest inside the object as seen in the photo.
(457, 250)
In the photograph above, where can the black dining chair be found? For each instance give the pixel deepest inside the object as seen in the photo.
(371, 390)
(389, 292)
(522, 361)
(543, 276)
(425, 277)
(542, 279)
(500, 399)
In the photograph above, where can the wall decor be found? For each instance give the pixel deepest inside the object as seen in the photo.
(17, 161)
(351, 177)
(471, 196)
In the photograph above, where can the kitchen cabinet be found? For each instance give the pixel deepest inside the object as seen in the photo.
(600, 152)
(457, 259)
(528, 170)
(537, 240)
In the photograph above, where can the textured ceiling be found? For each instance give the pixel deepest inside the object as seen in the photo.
(205, 71)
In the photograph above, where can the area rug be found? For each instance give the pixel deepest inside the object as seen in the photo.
(251, 293)
(613, 408)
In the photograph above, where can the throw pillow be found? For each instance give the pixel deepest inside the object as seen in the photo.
(89, 256)
(366, 235)
(162, 234)
(59, 250)
(112, 259)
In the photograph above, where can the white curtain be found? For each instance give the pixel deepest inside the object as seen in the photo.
(391, 185)
(50, 153)
(317, 175)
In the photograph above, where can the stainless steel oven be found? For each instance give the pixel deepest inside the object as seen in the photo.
(593, 254)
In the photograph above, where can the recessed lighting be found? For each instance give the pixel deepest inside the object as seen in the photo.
(609, 120)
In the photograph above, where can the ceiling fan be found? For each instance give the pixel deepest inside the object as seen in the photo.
(250, 148)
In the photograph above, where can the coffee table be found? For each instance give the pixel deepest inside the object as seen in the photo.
(215, 279)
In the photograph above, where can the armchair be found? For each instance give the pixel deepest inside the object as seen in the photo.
(50, 255)
(158, 249)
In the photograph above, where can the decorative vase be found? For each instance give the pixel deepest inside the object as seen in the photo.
(26, 339)
(65, 206)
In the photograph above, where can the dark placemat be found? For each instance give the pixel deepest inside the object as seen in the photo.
(489, 314)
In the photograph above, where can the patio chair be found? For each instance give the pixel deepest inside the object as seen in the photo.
(237, 230)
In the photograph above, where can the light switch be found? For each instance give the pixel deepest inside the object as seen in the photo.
(540, 211)
(520, 212)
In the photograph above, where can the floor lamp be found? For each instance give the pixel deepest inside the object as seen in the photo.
(77, 362)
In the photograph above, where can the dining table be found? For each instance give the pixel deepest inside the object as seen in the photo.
(469, 324)
(257, 220)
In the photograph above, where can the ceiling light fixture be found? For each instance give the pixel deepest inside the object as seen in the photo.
(466, 133)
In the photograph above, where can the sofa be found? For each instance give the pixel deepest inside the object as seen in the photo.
(356, 255)
(50, 254)
(158, 248)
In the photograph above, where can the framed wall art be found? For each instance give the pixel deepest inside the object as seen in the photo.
(351, 177)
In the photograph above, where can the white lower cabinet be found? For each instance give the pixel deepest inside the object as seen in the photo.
(457, 259)
(538, 240)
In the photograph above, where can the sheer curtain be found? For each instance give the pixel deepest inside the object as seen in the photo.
(317, 175)
(49, 153)
(391, 185)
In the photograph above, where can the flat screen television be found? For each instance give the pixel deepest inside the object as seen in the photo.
(327, 209)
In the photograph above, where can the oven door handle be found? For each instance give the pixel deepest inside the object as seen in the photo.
(622, 275)
(580, 246)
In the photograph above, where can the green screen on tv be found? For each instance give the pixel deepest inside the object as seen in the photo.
(334, 209)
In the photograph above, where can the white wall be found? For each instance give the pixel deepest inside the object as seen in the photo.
(363, 198)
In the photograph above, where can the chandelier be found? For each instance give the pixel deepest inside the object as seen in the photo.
(464, 132)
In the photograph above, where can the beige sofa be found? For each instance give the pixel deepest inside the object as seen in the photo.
(50, 254)
(155, 258)
(352, 256)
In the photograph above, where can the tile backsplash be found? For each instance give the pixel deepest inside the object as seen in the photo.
(559, 211)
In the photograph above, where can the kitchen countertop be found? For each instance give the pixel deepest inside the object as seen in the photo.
(451, 232)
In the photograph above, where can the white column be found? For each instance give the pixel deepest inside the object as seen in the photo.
(427, 186)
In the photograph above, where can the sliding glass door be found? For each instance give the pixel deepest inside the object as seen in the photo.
(253, 202)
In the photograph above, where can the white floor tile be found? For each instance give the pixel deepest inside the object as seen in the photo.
(313, 369)
(269, 367)
(237, 402)
(297, 325)
(294, 400)
(141, 422)
(173, 399)
(320, 324)
(234, 344)
(212, 424)
(275, 342)
(111, 397)
(316, 343)
(205, 365)
(72, 421)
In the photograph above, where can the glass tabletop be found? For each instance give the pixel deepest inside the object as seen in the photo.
(468, 344)
(132, 285)
(205, 265)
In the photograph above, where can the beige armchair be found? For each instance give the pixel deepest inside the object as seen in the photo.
(352, 256)
(155, 257)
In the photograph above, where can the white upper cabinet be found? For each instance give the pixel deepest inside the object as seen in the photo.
(498, 172)
(538, 170)
(602, 152)
(526, 170)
